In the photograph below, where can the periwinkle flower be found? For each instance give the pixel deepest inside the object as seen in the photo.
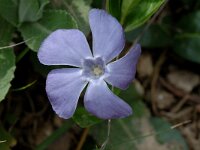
(70, 47)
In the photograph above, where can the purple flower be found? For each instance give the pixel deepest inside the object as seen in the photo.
(70, 47)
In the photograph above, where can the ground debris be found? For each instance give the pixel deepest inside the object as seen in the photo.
(183, 79)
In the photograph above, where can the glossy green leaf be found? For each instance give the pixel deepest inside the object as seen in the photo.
(79, 10)
(9, 11)
(133, 13)
(138, 13)
(36, 32)
(168, 135)
(31, 10)
(114, 7)
(127, 7)
(84, 119)
(7, 58)
(186, 43)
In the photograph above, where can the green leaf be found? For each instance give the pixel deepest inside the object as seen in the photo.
(31, 10)
(127, 8)
(138, 13)
(9, 11)
(133, 13)
(36, 32)
(186, 43)
(84, 119)
(6, 31)
(79, 10)
(168, 135)
(7, 68)
(114, 7)
(7, 58)
(190, 23)
(188, 46)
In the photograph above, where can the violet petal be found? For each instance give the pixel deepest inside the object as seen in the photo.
(108, 35)
(101, 102)
(63, 87)
(64, 47)
(122, 71)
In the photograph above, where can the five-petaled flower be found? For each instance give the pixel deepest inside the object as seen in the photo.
(95, 69)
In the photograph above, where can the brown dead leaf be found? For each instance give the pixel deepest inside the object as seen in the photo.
(139, 87)
(145, 65)
(164, 99)
(183, 79)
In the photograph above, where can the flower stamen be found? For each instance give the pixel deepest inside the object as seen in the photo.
(97, 70)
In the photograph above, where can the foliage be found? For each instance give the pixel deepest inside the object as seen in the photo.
(168, 135)
(52, 20)
(186, 42)
(7, 58)
(35, 21)
(79, 10)
(133, 13)
(31, 21)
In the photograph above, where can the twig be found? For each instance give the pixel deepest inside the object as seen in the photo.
(185, 113)
(2, 141)
(10, 46)
(180, 104)
(155, 80)
(180, 124)
(83, 138)
(25, 87)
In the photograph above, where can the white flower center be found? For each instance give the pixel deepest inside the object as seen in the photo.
(97, 70)
(94, 68)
